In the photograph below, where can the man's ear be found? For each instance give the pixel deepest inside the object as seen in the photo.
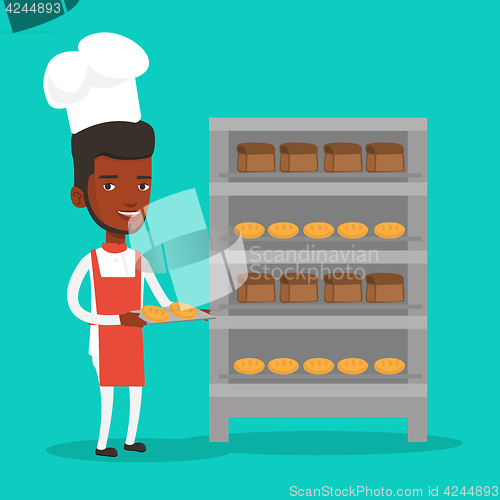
(77, 197)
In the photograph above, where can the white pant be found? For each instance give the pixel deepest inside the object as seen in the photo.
(107, 410)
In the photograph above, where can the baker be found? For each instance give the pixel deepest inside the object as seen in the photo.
(112, 150)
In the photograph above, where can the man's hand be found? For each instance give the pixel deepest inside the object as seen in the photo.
(131, 319)
(206, 311)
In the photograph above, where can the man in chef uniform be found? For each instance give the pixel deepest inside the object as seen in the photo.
(112, 152)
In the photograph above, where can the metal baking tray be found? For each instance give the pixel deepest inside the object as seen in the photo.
(174, 319)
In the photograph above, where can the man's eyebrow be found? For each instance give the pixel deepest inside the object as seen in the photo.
(108, 177)
(144, 177)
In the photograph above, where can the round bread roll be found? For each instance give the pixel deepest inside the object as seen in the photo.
(352, 230)
(183, 311)
(318, 230)
(352, 366)
(249, 366)
(283, 366)
(389, 230)
(283, 230)
(389, 366)
(318, 366)
(155, 313)
(249, 230)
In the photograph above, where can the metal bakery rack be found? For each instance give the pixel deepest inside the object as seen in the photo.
(304, 330)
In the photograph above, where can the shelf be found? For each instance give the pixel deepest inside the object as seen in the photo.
(259, 322)
(339, 257)
(314, 241)
(311, 176)
(255, 329)
(364, 239)
(321, 257)
(226, 390)
(317, 124)
(309, 377)
(297, 306)
(317, 189)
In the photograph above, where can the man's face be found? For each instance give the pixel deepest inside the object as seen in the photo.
(118, 193)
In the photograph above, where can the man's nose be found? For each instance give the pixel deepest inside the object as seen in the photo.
(130, 205)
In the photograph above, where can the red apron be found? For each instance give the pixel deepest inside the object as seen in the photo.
(121, 358)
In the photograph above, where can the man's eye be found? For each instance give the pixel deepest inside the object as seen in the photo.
(108, 186)
(143, 186)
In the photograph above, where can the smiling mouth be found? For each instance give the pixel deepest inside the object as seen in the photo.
(128, 215)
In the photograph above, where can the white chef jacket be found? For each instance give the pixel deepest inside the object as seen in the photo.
(111, 265)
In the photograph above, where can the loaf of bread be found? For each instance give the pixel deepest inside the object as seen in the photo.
(385, 157)
(385, 287)
(299, 287)
(256, 157)
(256, 287)
(343, 157)
(343, 287)
(298, 157)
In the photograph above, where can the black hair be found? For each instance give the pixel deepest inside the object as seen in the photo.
(119, 140)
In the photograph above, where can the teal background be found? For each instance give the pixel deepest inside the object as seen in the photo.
(256, 59)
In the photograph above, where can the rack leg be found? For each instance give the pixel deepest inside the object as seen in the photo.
(417, 426)
(218, 429)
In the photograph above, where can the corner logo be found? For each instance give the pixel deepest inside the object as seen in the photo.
(175, 241)
(25, 15)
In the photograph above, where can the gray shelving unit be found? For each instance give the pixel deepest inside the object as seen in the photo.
(335, 331)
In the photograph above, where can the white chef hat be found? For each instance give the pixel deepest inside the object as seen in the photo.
(96, 84)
